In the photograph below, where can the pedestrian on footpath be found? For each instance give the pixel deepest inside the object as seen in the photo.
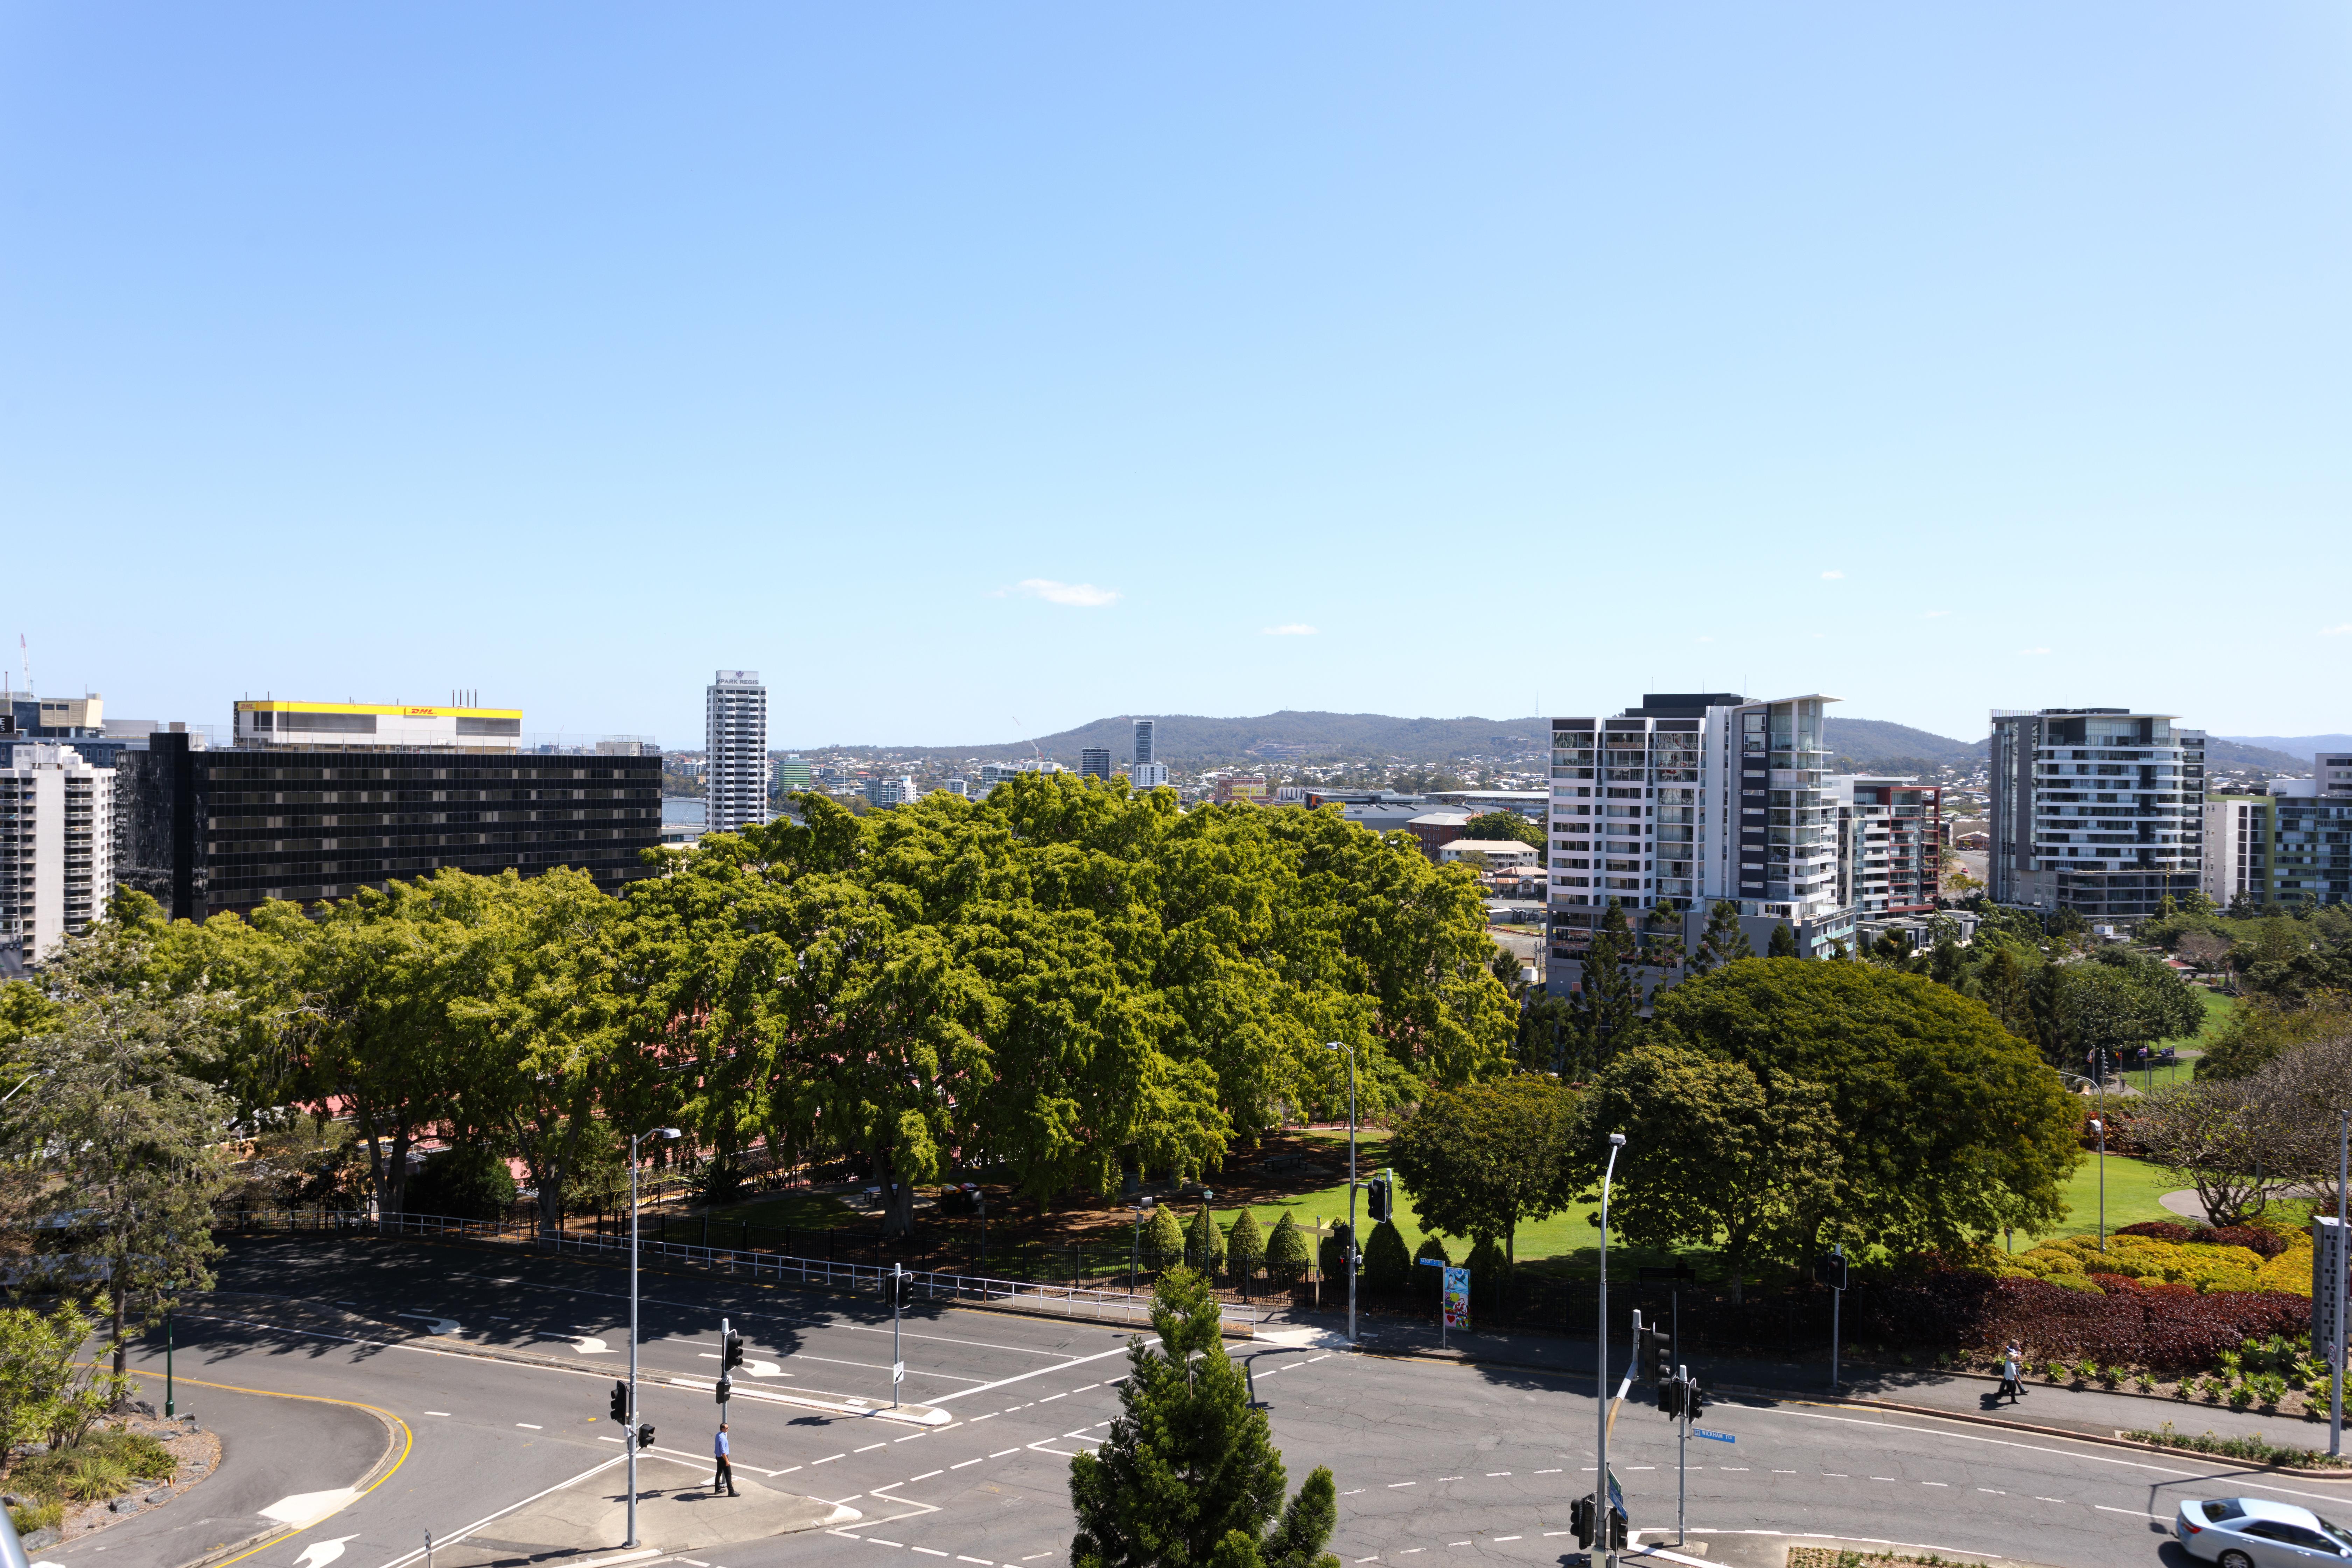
(726, 1476)
(2013, 1381)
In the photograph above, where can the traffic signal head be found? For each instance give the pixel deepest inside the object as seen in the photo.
(1692, 1401)
(902, 1291)
(1830, 1270)
(1580, 1519)
(731, 1356)
(620, 1403)
(726, 1388)
(645, 1435)
(1377, 1199)
(1670, 1397)
(1617, 1533)
(1654, 1358)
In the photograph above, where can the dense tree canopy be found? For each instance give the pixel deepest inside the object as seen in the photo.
(1950, 1128)
(1065, 980)
(1480, 1160)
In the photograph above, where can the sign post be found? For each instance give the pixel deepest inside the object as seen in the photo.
(1455, 1302)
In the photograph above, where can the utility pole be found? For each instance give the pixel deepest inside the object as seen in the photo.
(1601, 1365)
(898, 1301)
(2099, 1126)
(2335, 1337)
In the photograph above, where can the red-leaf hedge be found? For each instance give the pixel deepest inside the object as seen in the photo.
(2171, 1329)
(2265, 1244)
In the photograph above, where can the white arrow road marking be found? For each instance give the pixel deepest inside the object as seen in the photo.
(305, 1509)
(586, 1344)
(433, 1325)
(321, 1553)
(753, 1368)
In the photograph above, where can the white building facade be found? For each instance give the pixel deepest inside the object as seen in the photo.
(1698, 798)
(56, 851)
(735, 742)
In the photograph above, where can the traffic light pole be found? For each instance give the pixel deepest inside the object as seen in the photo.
(1837, 1306)
(1601, 1365)
(1681, 1457)
(629, 1431)
(898, 1360)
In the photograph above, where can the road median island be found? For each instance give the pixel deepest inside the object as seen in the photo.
(678, 1510)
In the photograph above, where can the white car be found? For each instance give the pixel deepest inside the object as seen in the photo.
(2255, 1532)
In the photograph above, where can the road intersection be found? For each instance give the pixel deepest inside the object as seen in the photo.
(501, 1363)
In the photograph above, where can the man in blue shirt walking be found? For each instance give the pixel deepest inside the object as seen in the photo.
(726, 1476)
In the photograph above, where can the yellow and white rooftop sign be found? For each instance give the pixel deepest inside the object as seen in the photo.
(373, 724)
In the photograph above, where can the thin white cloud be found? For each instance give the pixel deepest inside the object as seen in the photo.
(1084, 594)
(1292, 630)
(1832, 576)
(2029, 652)
(2343, 630)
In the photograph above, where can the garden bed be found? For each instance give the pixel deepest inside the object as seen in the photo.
(128, 1465)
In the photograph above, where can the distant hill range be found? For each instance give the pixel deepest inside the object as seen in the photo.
(2301, 747)
(1292, 736)
(1288, 736)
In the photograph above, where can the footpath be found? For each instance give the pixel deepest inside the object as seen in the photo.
(1504, 1356)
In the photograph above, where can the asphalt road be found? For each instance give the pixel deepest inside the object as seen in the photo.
(1432, 1459)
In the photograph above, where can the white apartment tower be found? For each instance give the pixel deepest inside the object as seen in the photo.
(1699, 798)
(735, 735)
(56, 851)
(1146, 771)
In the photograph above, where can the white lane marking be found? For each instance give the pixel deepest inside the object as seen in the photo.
(586, 1344)
(1492, 1474)
(966, 1462)
(1051, 1397)
(983, 1562)
(434, 1325)
(1449, 1478)
(926, 1475)
(1001, 1452)
(2103, 1508)
(1935, 1483)
(826, 1460)
(930, 1551)
(1327, 1355)
(1506, 1538)
(783, 1472)
(436, 1412)
(869, 1447)
(910, 1437)
(608, 1439)
(1025, 1377)
(989, 1416)
(879, 1541)
(318, 1553)
(530, 1427)
(1552, 1472)
(1352, 1494)
(1990, 1489)
(2039, 1498)
(1393, 1484)
(408, 1557)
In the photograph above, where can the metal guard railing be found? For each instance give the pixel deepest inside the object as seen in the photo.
(931, 1285)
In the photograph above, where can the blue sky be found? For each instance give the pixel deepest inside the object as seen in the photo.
(975, 371)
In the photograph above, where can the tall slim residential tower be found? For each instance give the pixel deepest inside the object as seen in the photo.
(1698, 798)
(1146, 771)
(2097, 810)
(56, 851)
(735, 735)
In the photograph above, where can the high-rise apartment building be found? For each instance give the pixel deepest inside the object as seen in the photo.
(792, 774)
(885, 792)
(1890, 843)
(1094, 762)
(2237, 849)
(2311, 835)
(1146, 742)
(1699, 798)
(2097, 810)
(56, 851)
(735, 740)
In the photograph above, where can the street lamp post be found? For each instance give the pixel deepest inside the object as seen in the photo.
(1601, 1364)
(1348, 1252)
(2335, 1330)
(629, 1433)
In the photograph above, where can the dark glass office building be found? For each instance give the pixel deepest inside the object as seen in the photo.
(204, 831)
